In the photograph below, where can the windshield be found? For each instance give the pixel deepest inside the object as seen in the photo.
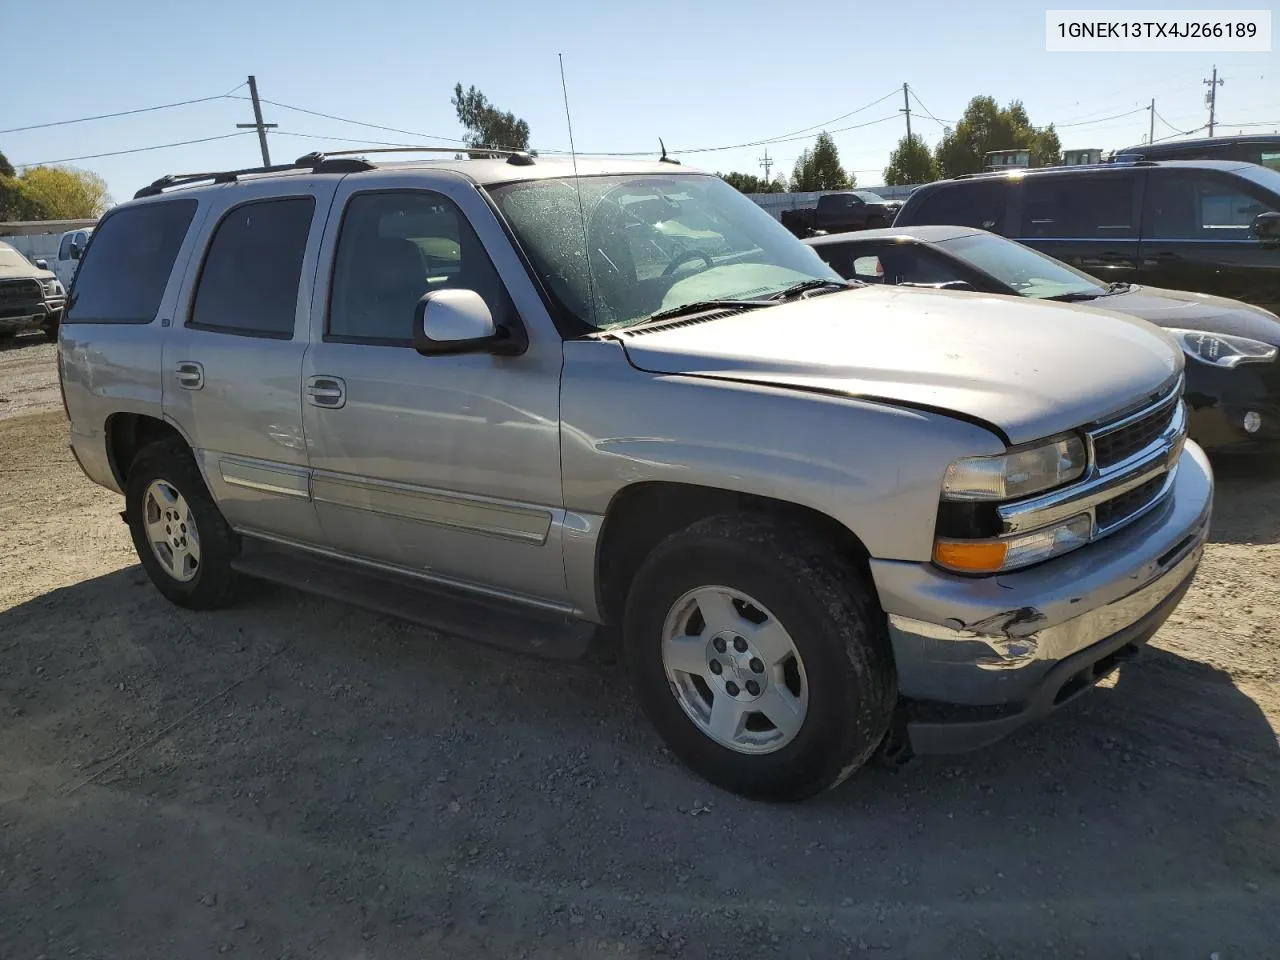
(868, 196)
(1029, 273)
(657, 243)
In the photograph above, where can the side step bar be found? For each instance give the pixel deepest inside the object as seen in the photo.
(484, 620)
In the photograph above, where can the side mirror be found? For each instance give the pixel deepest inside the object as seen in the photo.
(42, 264)
(75, 251)
(459, 321)
(1266, 227)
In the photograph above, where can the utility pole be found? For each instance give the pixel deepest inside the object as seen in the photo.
(258, 124)
(1212, 98)
(767, 162)
(906, 108)
(1151, 137)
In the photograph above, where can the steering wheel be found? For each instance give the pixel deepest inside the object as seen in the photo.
(685, 257)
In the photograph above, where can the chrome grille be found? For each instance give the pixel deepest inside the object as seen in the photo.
(1129, 504)
(1132, 463)
(13, 291)
(1119, 444)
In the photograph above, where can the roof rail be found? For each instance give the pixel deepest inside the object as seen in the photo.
(1122, 161)
(336, 161)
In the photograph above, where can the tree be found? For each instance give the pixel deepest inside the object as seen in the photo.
(748, 183)
(6, 168)
(819, 168)
(911, 162)
(66, 194)
(485, 124)
(986, 127)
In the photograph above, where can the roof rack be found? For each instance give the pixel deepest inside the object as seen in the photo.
(336, 161)
(1122, 161)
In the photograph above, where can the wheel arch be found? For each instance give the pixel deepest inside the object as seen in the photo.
(128, 433)
(643, 514)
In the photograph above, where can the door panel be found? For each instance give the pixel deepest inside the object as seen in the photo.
(1197, 235)
(447, 466)
(233, 366)
(1089, 221)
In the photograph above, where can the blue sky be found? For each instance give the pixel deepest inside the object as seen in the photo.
(698, 74)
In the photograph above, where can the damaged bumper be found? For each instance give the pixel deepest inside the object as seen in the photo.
(977, 658)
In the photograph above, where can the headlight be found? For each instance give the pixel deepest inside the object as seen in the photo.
(1221, 349)
(994, 556)
(1018, 473)
(51, 288)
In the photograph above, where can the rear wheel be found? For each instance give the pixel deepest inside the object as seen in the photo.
(180, 535)
(760, 657)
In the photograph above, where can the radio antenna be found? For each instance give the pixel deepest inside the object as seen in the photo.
(577, 186)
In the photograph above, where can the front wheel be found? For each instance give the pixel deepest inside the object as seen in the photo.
(760, 656)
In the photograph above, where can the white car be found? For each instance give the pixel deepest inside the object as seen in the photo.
(70, 248)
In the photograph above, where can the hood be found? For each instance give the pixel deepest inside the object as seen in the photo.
(13, 266)
(1028, 368)
(1195, 311)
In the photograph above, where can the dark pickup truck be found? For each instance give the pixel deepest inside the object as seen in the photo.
(840, 213)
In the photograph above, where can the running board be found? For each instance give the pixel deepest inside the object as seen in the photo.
(492, 622)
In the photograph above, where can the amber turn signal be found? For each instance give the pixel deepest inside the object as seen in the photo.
(973, 557)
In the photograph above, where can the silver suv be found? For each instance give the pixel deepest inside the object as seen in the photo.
(515, 402)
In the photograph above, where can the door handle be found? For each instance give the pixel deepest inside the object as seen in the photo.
(328, 392)
(190, 375)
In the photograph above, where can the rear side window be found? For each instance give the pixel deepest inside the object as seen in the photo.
(975, 204)
(1073, 208)
(122, 277)
(249, 282)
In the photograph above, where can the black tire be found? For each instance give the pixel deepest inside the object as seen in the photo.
(214, 582)
(834, 621)
(51, 331)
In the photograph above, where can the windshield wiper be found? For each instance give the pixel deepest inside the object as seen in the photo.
(699, 306)
(815, 284)
(1075, 297)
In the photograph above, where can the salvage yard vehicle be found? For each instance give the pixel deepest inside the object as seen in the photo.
(31, 298)
(1210, 226)
(1233, 378)
(840, 213)
(825, 518)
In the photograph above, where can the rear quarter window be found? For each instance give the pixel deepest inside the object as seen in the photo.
(977, 203)
(123, 274)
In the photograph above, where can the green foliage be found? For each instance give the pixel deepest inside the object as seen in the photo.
(52, 193)
(485, 124)
(819, 168)
(747, 183)
(911, 162)
(6, 168)
(986, 127)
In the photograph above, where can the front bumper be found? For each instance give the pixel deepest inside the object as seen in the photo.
(33, 316)
(1219, 400)
(978, 657)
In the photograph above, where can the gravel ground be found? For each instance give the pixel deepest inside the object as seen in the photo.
(295, 778)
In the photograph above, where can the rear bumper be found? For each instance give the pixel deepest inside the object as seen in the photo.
(1010, 645)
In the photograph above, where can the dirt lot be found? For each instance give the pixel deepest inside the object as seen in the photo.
(294, 778)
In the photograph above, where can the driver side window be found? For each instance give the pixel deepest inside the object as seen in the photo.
(394, 247)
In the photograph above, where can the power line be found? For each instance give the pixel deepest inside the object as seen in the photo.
(358, 123)
(925, 110)
(122, 113)
(118, 153)
(1089, 123)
